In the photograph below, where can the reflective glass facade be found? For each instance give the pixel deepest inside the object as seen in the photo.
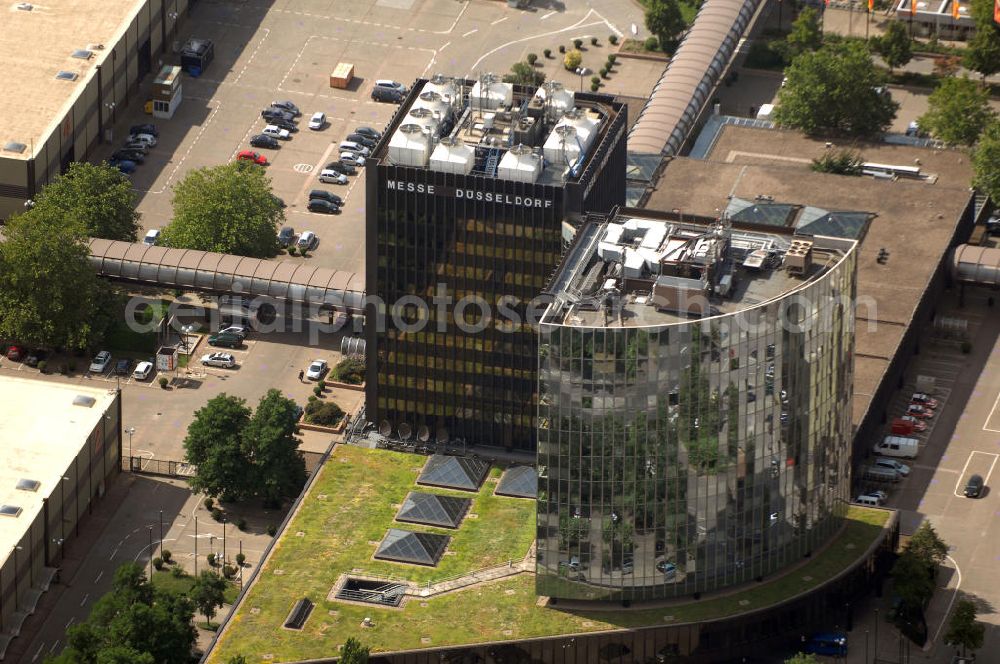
(687, 457)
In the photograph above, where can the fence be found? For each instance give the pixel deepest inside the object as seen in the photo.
(164, 467)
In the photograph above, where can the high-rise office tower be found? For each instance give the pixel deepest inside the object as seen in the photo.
(469, 197)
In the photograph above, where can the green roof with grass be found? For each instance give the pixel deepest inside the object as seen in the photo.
(352, 504)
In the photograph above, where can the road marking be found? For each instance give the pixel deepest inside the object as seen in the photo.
(84, 600)
(318, 167)
(547, 15)
(966, 467)
(113, 553)
(990, 416)
(303, 168)
(500, 20)
(253, 55)
(947, 613)
(470, 32)
(446, 45)
(54, 646)
(187, 152)
(611, 25)
(38, 652)
(70, 621)
(98, 579)
(575, 26)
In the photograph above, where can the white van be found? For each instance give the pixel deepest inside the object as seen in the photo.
(152, 237)
(868, 500)
(351, 146)
(898, 446)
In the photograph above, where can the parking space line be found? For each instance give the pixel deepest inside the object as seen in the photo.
(260, 43)
(551, 13)
(470, 33)
(499, 20)
(180, 162)
(989, 417)
(966, 467)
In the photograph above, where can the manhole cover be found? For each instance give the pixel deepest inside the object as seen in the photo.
(302, 168)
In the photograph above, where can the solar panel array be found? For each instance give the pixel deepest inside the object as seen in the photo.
(406, 546)
(454, 472)
(518, 481)
(433, 510)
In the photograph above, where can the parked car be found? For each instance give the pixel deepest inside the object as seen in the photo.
(330, 176)
(128, 155)
(15, 353)
(919, 411)
(320, 205)
(227, 340)
(270, 114)
(317, 121)
(918, 424)
(974, 487)
(924, 400)
(224, 360)
(892, 464)
(830, 643)
(152, 237)
(668, 569)
(316, 370)
(373, 134)
(125, 166)
(286, 236)
(239, 330)
(148, 139)
(147, 128)
(136, 146)
(100, 362)
(307, 240)
(386, 84)
(386, 95)
(361, 140)
(868, 500)
(325, 195)
(284, 124)
(277, 132)
(265, 141)
(357, 148)
(35, 356)
(340, 167)
(143, 371)
(352, 158)
(123, 366)
(287, 106)
(250, 155)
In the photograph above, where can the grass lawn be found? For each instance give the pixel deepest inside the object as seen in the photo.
(166, 581)
(339, 531)
(123, 338)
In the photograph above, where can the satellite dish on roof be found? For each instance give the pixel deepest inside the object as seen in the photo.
(423, 433)
(405, 431)
(385, 428)
(442, 435)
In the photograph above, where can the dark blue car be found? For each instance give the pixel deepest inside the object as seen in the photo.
(124, 165)
(827, 643)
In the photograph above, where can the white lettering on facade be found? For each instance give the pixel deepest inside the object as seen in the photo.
(470, 194)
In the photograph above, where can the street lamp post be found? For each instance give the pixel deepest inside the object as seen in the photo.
(582, 71)
(130, 431)
(150, 531)
(196, 546)
(223, 542)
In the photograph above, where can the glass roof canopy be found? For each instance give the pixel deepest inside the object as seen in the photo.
(221, 273)
(406, 546)
(433, 510)
(519, 482)
(454, 472)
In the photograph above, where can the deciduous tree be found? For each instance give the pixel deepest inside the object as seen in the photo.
(664, 19)
(927, 545)
(214, 444)
(805, 35)
(523, 73)
(986, 161)
(97, 198)
(229, 209)
(269, 443)
(353, 652)
(982, 53)
(835, 90)
(957, 111)
(894, 45)
(209, 593)
(963, 628)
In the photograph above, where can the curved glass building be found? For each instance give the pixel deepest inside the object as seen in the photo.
(694, 406)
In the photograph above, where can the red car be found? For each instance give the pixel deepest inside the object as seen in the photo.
(250, 155)
(919, 411)
(917, 424)
(924, 400)
(15, 353)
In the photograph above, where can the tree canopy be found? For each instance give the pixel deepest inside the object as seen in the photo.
(927, 545)
(963, 628)
(957, 111)
(95, 198)
(982, 52)
(912, 580)
(835, 90)
(50, 296)
(209, 593)
(523, 73)
(134, 623)
(802, 658)
(664, 19)
(986, 161)
(353, 652)
(239, 455)
(895, 45)
(805, 35)
(229, 209)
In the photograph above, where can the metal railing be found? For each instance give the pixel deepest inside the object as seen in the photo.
(164, 467)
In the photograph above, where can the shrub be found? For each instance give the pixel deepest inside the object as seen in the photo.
(228, 571)
(577, 44)
(594, 87)
(208, 503)
(41, 365)
(318, 391)
(217, 514)
(292, 250)
(177, 572)
(593, 41)
(321, 384)
(240, 559)
(532, 58)
(272, 529)
(163, 382)
(158, 563)
(613, 39)
(603, 72)
(573, 60)
(323, 413)
(165, 554)
(211, 559)
(562, 49)
(652, 44)
(350, 370)
(548, 53)
(304, 253)
(241, 523)
(612, 58)
(595, 80)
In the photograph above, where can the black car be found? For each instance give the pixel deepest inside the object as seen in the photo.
(323, 195)
(287, 106)
(144, 129)
(35, 356)
(320, 205)
(974, 487)
(272, 114)
(136, 146)
(286, 236)
(361, 139)
(387, 95)
(263, 141)
(369, 132)
(281, 123)
(341, 167)
(128, 155)
(122, 367)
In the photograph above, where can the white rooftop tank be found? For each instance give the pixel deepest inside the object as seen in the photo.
(562, 147)
(433, 102)
(410, 146)
(519, 165)
(444, 86)
(559, 98)
(490, 92)
(424, 118)
(453, 156)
